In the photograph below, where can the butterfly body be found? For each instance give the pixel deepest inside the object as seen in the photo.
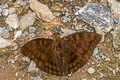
(61, 56)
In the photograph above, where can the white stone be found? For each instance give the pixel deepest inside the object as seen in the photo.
(16, 74)
(91, 70)
(32, 67)
(107, 59)
(26, 59)
(66, 32)
(11, 61)
(5, 12)
(27, 20)
(42, 11)
(12, 21)
(11, 10)
(17, 34)
(95, 52)
(36, 78)
(0, 10)
(4, 43)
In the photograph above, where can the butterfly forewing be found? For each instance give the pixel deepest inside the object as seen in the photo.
(80, 46)
(40, 50)
(62, 56)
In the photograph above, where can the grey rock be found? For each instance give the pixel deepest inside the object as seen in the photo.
(65, 18)
(32, 29)
(97, 16)
(4, 32)
(27, 1)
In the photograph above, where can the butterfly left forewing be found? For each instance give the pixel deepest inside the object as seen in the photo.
(41, 51)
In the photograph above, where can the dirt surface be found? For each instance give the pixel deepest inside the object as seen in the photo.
(15, 68)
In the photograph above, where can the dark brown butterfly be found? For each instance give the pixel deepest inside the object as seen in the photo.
(61, 56)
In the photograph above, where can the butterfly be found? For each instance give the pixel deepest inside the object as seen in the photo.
(62, 56)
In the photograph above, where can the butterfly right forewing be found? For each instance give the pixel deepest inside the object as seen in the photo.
(80, 47)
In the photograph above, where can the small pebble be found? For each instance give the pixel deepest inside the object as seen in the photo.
(107, 59)
(16, 74)
(102, 55)
(48, 33)
(65, 19)
(17, 34)
(26, 59)
(101, 74)
(117, 20)
(5, 12)
(11, 61)
(2, 67)
(79, 27)
(95, 52)
(15, 47)
(114, 72)
(32, 35)
(57, 28)
(94, 79)
(98, 57)
(91, 70)
(0, 10)
(32, 30)
(36, 78)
